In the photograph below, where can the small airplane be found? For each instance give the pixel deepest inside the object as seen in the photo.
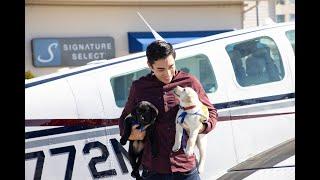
(71, 117)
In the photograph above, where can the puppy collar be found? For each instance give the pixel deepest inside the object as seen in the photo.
(187, 108)
(200, 112)
(183, 115)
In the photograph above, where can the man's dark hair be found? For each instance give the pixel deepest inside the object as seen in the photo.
(159, 50)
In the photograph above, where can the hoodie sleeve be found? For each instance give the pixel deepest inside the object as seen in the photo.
(213, 115)
(128, 107)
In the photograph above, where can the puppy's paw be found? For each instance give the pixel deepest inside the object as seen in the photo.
(176, 147)
(188, 152)
(123, 141)
(135, 174)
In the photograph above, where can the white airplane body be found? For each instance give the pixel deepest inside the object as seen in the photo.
(72, 116)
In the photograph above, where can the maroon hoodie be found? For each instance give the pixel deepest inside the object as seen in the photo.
(149, 88)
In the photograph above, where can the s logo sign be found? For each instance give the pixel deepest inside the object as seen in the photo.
(46, 52)
(52, 45)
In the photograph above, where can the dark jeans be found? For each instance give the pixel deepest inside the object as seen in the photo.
(191, 175)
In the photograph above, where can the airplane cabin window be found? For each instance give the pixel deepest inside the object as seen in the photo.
(256, 61)
(200, 67)
(121, 85)
(291, 36)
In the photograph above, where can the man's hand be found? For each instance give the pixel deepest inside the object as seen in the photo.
(170, 100)
(136, 134)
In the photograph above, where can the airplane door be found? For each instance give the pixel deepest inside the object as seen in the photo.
(261, 93)
(87, 96)
(202, 61)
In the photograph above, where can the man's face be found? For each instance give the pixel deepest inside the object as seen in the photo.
(164, 69)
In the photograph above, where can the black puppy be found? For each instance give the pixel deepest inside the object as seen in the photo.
(144, 115)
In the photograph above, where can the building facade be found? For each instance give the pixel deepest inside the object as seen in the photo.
(285, 10)
(256, 12)
(68, 33)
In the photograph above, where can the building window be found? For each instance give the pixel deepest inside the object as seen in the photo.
(292, 17)
(280, 18)
(292, 1)
(256, 61)
(282, 2)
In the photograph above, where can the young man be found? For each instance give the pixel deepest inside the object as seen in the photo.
(156, 88)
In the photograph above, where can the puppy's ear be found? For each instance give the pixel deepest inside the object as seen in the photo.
(154, 112)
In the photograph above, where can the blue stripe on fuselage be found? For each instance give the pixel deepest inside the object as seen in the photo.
(66, 129)
(254, 101)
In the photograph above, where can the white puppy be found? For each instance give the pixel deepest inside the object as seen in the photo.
(191, 115)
